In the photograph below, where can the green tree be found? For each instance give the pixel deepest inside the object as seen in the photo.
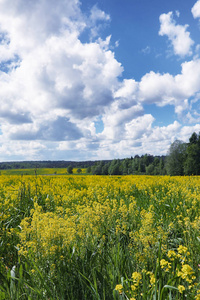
(176, 157)
(141, 168)
(150, 169)
(125, 165)
(135, 164)
(97, 168)
(88, 170)
(156, 161)
(115, 168)
(70, 169)
(192, 162)
(147, 159)
(105, 169)
(162, 166)
(193, 139)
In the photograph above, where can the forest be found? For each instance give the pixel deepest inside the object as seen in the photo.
(181, 159)
(184, 158)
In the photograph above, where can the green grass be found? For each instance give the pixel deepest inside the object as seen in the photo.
(40, 171)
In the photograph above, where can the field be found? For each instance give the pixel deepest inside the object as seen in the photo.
(99, 237)
(40, 171)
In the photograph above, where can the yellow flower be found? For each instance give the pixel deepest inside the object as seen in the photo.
(198, 295)
(171, 254)
(181, 288)
(182, 249)
(163, 263)
(119, 288)
(186, 273)
(152, 279)
(186, 270)
(133, 288)
(136, 276)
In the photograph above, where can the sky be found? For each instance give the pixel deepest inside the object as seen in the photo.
(91, 80)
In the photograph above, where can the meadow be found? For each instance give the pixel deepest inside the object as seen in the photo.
(99, 237)
(40, 171)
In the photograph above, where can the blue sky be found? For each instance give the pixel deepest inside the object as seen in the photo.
(97, 79)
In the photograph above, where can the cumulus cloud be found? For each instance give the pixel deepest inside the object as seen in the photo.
(157, 88)
(51, 130)
(26, 24)
(15, 118)
(196, 10)
(164, 89)
(177, 34)
(56, 74)
(54, 87)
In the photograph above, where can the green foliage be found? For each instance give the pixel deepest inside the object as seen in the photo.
(192, 162)
(146, 164)
(88, 170)
(70, 170)
(184, 158)
(176, 158)
(115, 168)
(150, 169)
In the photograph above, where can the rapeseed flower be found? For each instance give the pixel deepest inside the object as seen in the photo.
(186, 273)
(119, 288)
(165, 265)
(181, 288)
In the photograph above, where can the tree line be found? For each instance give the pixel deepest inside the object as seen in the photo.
(145, 164)
(184, 158)
(44, 164)
(181, 159)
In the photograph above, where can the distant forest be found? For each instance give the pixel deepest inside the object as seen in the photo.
(181, 159)
(145, 164)
(44, 164)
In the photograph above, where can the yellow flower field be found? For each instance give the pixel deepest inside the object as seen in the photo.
(99, 237)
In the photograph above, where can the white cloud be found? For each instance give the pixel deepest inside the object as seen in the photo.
(98, 15)
(177, 34)
(97, 21)
(22, 150)
(27, 23)
(167, 133)
(55, 87)
(164, 89)
(157, 88)
(188, 81)
(185, 132)
(127, 89)
(139, 127)
(180, 108)
(115, 120)
(57, 77)
(196, 10)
